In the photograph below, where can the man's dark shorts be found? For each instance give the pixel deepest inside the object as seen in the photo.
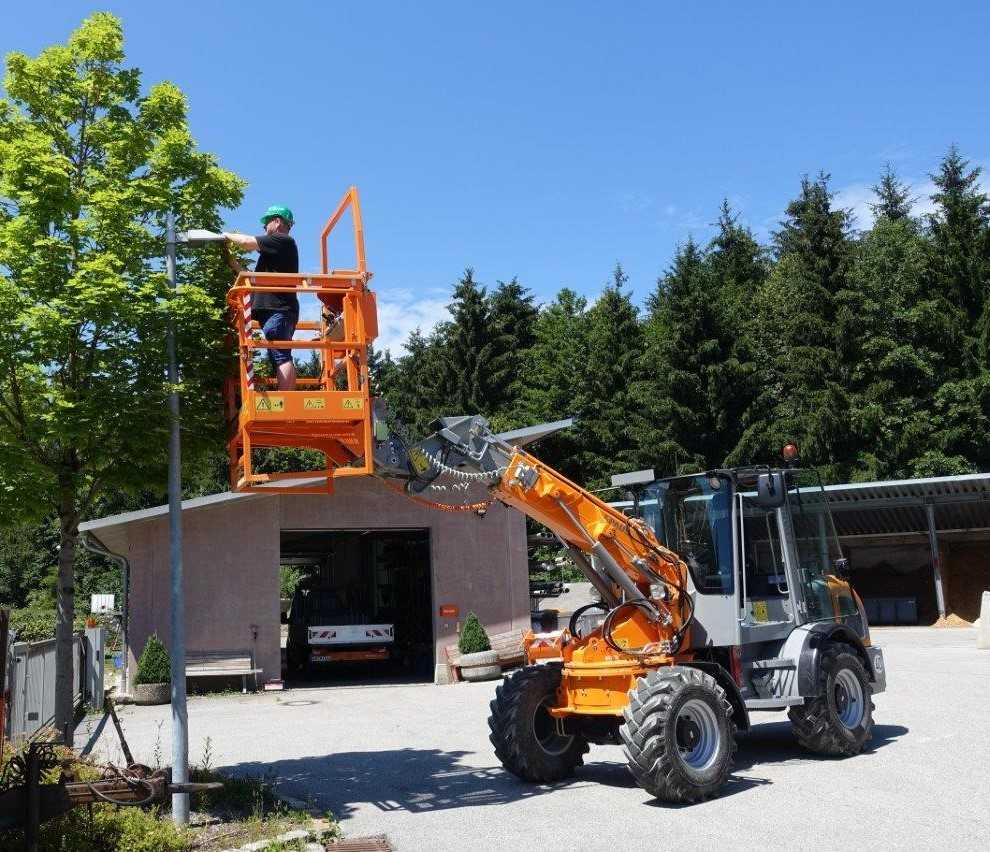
(279, 325)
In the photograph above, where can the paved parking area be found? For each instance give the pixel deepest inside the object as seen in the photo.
(414, 762)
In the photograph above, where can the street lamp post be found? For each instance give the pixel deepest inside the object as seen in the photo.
(180, 718)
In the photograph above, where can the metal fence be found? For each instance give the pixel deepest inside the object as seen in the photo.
(31, 681)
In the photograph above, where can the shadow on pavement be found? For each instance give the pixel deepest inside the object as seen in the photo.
(412, 780)
(424, 780)
(774, 742)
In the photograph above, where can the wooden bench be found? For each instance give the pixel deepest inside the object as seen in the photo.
(508, 646)
(222, 664)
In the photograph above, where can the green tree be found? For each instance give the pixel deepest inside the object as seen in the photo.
(803, 393)
(894, 200)
(468, 344)
(88, 166)
(512, 321)
(551, 377)
(614, 339)
(677, 431)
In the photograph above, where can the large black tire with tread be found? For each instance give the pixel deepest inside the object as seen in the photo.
(523, 732)
(678, 734)
(839, 720)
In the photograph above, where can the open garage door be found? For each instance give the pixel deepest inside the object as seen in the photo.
(361, 608)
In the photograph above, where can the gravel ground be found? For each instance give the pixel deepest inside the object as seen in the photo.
(413, 761)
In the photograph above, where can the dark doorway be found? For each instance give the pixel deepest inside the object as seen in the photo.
(361, 608)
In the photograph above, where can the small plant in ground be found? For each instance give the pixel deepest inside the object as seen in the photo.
(473, 637)
(155, 665)
(156, 752)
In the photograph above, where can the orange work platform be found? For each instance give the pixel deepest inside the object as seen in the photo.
(330, 412)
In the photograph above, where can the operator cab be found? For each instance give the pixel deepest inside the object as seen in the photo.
(760, 547)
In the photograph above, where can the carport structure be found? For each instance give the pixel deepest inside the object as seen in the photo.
(889, 530)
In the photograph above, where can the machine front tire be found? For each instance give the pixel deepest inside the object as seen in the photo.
(678, 735)
(526, 737)
(839, 720)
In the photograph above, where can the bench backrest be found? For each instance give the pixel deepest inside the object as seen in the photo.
(207, 660)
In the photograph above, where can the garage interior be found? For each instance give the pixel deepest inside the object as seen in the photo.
(354, 577)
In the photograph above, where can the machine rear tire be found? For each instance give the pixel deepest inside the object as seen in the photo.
(678, 734)
(525, 735)
(839, 720)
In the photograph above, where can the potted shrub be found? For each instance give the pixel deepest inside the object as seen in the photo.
(477, 661)
(153, 682)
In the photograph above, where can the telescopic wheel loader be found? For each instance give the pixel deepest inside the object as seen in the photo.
(721, 593)
(722, 597)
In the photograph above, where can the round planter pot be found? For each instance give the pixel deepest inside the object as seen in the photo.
(481, 658)
(482, 672)
(152, 693)
(480, 666)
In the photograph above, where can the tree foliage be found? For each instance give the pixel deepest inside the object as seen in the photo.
(90, 162)
(869, 349)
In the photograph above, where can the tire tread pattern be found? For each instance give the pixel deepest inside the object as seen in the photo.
(647, 717)
(815, 724)
(511, 727)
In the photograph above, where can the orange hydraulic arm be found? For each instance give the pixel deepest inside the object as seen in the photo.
(643, 583)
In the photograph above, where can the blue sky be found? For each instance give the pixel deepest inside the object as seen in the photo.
(549, 140)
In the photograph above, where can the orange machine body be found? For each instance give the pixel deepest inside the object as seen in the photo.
(330, 413)
(596, 677)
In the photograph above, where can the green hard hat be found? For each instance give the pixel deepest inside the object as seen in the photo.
(277, 210)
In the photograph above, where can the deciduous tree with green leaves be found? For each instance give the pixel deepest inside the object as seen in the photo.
(89, 164)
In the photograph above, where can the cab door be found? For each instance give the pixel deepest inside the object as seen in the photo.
(767, 602)
(819, 594)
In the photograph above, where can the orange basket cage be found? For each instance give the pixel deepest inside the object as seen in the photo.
(330, 413)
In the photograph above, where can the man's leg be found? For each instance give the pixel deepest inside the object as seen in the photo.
(281, 326)
(287, 374)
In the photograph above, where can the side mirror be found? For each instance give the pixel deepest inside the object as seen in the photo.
(842, 568)
(770, 490)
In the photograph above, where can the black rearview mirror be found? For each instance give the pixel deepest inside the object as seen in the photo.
(770, 490)
(842, 568)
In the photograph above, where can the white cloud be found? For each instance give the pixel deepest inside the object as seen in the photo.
(401, 311)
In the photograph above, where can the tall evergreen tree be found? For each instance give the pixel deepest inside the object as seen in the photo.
(802, 392)
(614, 340)
(469, 345)
(675, 423)
(513, 329)
(894, 200)
(552, 385)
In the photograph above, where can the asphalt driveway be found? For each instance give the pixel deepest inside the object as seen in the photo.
(413, 761)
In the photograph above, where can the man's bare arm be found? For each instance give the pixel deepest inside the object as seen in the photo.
(243, 240)
(231, 261)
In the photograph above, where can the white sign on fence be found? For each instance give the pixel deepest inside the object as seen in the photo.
(101, 603)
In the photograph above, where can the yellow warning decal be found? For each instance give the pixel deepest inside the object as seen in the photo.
(353, 403)
(760, 612)
(269, 403)
(313, 402)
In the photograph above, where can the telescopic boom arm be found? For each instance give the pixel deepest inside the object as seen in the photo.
(628, 566)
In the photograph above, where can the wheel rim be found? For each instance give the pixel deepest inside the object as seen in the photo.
(849, 700)
(697, 734)
(545, 729)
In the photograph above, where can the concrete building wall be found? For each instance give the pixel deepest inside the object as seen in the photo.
(231, 556)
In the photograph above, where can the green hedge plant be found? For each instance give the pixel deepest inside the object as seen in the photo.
(155, 665)
(473, 637)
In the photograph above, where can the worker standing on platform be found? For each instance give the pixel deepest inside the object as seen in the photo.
(276, 313)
